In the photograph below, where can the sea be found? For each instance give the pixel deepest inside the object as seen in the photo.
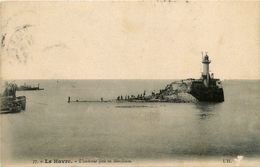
(50, 127)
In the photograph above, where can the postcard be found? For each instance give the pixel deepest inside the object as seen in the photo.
(130, 83)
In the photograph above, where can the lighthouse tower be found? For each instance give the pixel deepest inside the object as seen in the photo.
(205, 73)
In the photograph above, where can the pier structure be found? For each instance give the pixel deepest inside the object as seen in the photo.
(207, 88)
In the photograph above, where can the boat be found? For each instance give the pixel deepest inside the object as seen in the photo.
(29, 88)
(10, 103)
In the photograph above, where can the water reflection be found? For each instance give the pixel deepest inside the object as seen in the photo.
(206, 109)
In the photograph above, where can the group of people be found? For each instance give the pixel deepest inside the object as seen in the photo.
(132, 97)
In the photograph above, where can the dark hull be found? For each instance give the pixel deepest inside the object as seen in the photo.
(13, 105)
(211, 94)
(29, 89)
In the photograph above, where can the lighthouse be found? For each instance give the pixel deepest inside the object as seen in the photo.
(207, 88)
(205, 73)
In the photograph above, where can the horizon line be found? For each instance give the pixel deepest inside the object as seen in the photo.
(1, 79)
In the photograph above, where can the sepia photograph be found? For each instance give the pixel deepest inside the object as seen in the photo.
(171, 83)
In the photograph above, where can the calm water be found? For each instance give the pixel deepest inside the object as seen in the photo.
(50, 127)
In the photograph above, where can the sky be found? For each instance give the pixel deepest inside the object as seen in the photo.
(129, 40)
